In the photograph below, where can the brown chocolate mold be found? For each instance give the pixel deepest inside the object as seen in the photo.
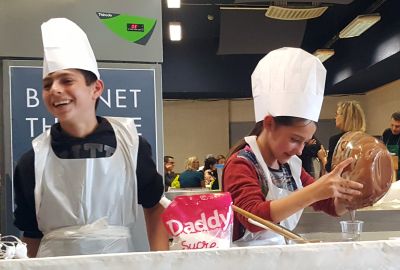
(372, 166)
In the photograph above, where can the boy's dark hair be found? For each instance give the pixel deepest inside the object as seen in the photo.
(166, 158)
(396, 116)
(90, 78)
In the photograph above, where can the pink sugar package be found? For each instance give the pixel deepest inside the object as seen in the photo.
(200, 221)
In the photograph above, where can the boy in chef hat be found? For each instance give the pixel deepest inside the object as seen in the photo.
(87, 174)
(263, 173)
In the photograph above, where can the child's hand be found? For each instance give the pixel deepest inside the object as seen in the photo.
(332, 185)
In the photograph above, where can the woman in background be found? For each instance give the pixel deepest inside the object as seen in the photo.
(349, 117)
(191, 177)
(221, 159)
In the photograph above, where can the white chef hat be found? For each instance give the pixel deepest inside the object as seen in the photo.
(66, 46)
(288, 82)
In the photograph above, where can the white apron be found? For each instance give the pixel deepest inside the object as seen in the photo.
(268, 237)
(87, 206)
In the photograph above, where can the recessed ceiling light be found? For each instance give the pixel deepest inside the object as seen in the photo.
(359, 25)
(293, 14)
(174, 3)
(175, 31)
(324, 54)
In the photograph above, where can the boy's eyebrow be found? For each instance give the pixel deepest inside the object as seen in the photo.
(55, 76)
(47, 80)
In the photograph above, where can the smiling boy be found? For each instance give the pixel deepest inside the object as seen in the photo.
(77, 191)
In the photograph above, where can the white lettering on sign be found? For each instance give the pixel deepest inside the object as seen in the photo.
(105, 14)
(119, 97)
(44, 125)
(136, 120)
(108, 100)
(34, 125)
(135, 91)
(32, 99)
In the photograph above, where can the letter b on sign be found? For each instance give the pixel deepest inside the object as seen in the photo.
(32, 99)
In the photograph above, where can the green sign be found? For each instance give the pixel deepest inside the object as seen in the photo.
(131, 28)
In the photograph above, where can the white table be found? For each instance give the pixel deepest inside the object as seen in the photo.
(362, 255)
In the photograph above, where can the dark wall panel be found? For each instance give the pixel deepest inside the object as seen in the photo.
(250, 32)
(192, 69)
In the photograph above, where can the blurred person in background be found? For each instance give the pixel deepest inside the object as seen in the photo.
(169, 174)
(314, 158)
(391, 137)
(221, 159)
(210, 173)
(349, 117)
(191, 177)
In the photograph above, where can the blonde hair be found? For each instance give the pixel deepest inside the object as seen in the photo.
(353, 116)
(189, 163)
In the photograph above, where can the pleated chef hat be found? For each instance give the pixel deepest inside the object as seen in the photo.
(66, 46)
(288, 82)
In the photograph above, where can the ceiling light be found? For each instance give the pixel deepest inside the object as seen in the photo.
(359, 25)
(324, 54)
(175, 31)
(293, 14)
(174, 3)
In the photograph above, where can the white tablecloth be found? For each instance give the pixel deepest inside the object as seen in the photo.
(346, 255)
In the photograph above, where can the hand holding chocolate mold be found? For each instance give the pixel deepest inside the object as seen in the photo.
(372, 166)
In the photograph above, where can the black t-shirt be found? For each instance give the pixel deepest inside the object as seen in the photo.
(332, 144)
(310, 151)
(101, 143)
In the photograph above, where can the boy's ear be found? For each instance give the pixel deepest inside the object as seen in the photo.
(98, 89)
